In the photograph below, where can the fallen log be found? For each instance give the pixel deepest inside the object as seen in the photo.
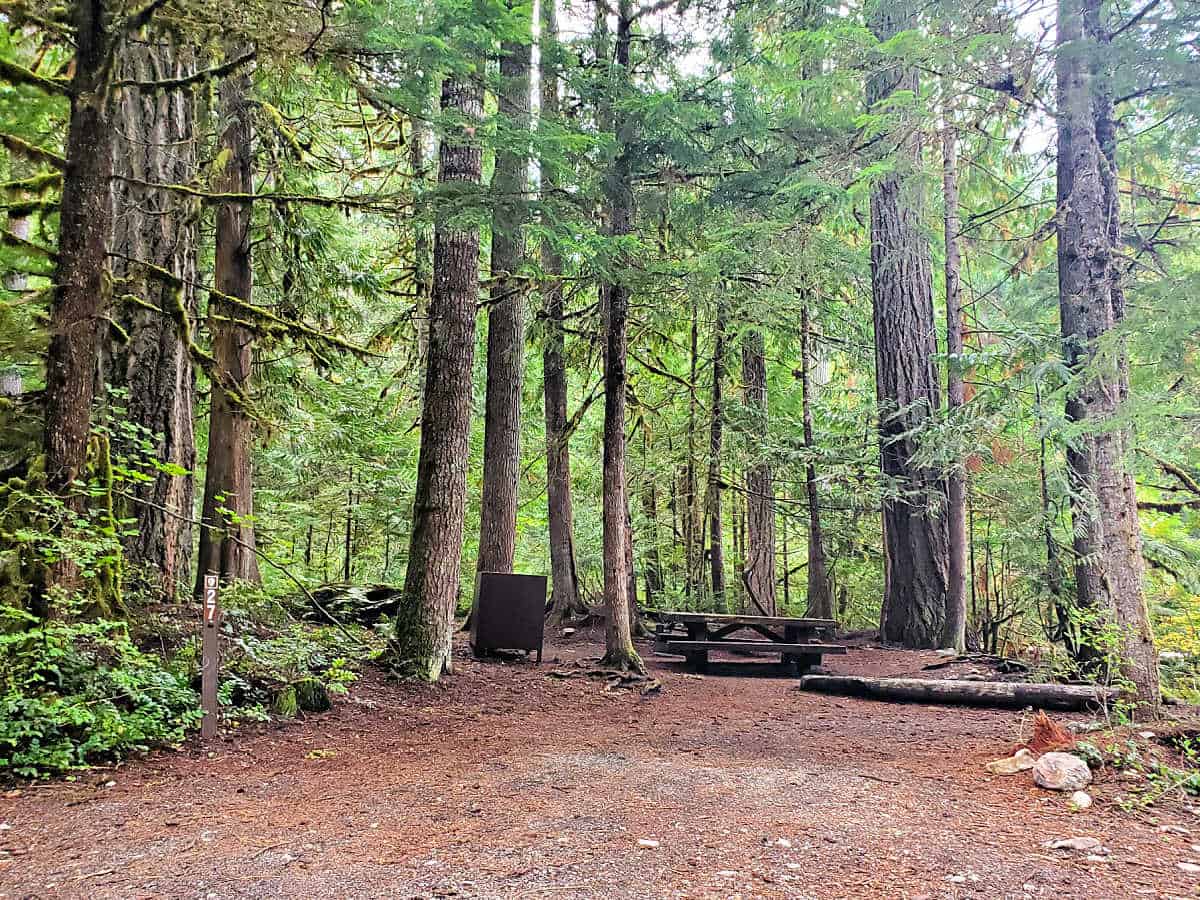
(1010, 694)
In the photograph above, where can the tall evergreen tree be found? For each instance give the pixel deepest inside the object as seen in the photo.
(424, 623)
(906, 381)
(506, 307)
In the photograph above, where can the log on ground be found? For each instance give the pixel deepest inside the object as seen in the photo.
(1012, 694)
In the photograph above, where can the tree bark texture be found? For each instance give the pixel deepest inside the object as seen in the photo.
(915, 534)
(85, 216)
(506, 318)
(1107, 542)
(565, 600)
(820, 598)
(619, 650)
(712, 500)
(424, 624)
(954, 630)
(149, 358)
(759, 575)
(227, 540)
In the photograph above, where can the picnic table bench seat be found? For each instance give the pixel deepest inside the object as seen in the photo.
(799, 640)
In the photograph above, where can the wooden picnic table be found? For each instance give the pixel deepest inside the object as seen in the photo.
(799, 641)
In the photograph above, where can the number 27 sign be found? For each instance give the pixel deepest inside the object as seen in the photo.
(210, 600)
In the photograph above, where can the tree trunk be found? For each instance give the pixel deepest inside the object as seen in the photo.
(954, 630)
(1108, 571)
(85, 216)
(421, 647)
(820, 599)
(654, 576)
(151, 359)
(506, 317)
(693, 537)
(712, 500)
(227, 540)
(619, 649)
(422, 249)
(565, 600)
(760, 492)
(915, 532)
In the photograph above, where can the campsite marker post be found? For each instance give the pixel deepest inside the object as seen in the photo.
(210, 657)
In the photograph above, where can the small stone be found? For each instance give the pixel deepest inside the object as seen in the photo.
(1020, 761)
(1172, 829)
(1081, 800)
(947, 652)
(957, 879)
(567, 632)
(1189, 867)
(1075, 843)
(1147, 735)
(1092, 857)
(727, 873)
(648, 843)
(1061, 772)
(783, 842)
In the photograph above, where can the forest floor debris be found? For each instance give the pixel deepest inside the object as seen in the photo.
(503, 782)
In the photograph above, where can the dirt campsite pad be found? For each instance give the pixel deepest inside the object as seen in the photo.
(508, 782)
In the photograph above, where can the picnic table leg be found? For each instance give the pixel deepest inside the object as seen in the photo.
(698, 660)
(807, 661)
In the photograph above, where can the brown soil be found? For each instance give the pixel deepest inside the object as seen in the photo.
(506, 782)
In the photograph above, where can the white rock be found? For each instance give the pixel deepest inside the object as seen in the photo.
(1146, 735)
(947, 652)
(783, 842)
(957, 879)
(1061, 772)
(1075, 843)
(648, 843)
(1173, 829)
(1190, 868)
(727, 873)
(1081, 800)
(567, 632)
(1011, 765)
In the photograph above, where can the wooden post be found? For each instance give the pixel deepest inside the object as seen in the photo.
(210, 657)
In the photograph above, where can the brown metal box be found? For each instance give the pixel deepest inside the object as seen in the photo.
(509, 612)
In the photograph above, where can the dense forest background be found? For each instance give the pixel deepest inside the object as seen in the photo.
(226, 225)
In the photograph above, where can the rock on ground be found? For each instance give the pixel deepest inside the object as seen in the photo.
(1061, 772)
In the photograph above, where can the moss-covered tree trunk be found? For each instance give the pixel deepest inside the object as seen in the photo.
(147, 359)
(228, 505)
(81, 275)
(424, 623)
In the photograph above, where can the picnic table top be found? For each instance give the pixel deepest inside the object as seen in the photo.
(667, 615)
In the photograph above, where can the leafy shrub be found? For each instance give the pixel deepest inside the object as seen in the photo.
(74, 693)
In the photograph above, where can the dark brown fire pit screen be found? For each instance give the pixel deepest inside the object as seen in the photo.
(510, 612)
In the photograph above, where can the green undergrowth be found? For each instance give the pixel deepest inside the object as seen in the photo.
(76, 690)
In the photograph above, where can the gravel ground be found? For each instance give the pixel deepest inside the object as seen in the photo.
(506, 782)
